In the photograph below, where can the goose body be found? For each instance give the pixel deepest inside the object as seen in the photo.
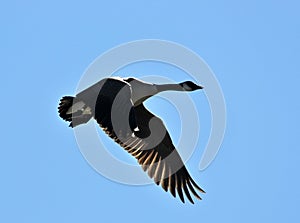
(117, 106)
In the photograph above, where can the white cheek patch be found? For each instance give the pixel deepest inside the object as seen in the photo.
(76, 107)
(187, 87)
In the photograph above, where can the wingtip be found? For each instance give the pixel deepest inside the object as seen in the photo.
(181, 197)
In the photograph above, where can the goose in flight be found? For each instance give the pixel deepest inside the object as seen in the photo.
(117, 106)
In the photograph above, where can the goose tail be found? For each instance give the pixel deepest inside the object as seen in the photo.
(74, 111)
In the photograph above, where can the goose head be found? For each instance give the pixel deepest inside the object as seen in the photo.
(190, 86)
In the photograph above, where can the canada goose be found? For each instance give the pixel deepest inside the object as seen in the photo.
(117, 106)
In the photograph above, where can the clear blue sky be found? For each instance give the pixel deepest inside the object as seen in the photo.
(253, 48)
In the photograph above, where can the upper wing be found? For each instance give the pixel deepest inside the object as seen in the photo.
(145, 137)
(110, 102)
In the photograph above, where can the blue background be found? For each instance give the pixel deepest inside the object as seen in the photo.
(253, 48)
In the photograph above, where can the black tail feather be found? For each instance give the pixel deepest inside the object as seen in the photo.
(65, 104)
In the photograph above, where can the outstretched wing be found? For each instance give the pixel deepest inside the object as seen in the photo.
(145, 137)
(160, 158)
